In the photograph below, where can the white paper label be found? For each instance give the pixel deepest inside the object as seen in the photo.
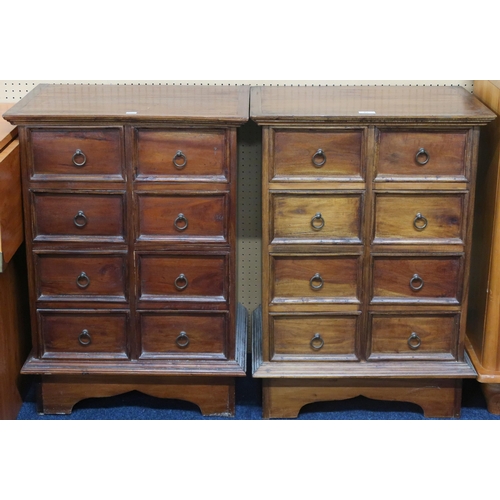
(130, 112)
(367, 112)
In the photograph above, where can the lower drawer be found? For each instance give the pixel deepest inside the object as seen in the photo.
(313, 337)
(183, 335)
(84, 335)
(413, 336)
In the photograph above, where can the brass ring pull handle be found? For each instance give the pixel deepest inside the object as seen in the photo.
(76, 154)
(416, 279)
(182, 340)
(182, 219)
(317, 342)
(83, 281)
(318, 217)
(422, 152)
(80, 219)
(176, 163)
(316, 156)
(420, 222)
(84, 338)
(179, 280)
(414, 341)
(316, 277)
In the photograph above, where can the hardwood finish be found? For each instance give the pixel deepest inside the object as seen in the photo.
(483, 325)
(181, 155)
(68, 153)
(130, 205)
(14, 309)
(297, 156)
(400, 155)
(398, 204)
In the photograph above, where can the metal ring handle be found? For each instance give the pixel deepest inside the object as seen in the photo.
(180, 154)
(179, 218)
(84, 338)
(421, 152)
(316, 277)
(317, 217)
(319, 154)
(77, 217)
(416, 225)
(317, 342)
(415, 278)
(411, 341)
(179, 278)
(83, 281)
(182, 340)
(79, 152)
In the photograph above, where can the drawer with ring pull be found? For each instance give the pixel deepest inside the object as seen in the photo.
(300, 279)
(312, 217)
(78, 216)
(81, 276)
(303, 337)
(188, 279)
(183, 217)
(420, 218)
(181, 155)
(421, 155)
(417, 279)
(413, 336)
(77, 153)
(192, 335)
(311, 155)
(79, 334)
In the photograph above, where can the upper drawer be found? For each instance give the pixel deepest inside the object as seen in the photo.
(429, 155)
(317, 155)
(182, 155)
(183, 218)
(315, 279)
(418, 218)
(78, 217)
(83, 153)
(316, 218)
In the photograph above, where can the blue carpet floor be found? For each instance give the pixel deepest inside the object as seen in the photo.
(137, 406)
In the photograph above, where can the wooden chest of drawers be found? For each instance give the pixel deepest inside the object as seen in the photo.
(367, 205)
(130, 205)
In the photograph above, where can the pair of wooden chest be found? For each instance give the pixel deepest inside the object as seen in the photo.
(130, 206)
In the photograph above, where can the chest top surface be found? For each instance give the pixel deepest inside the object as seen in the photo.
(367, 104)
(227, 105)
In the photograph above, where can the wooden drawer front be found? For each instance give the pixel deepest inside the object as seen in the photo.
(200, 278)
(315, 279)
(84, 335)
(183, 218)
(183, 335)
(413, 336)
(78, 216)
(419, 218)
(202, 155)
(444, 155)
(297, 155)
(317, 337)
(55, 153)
(417, 279)
(336, 217)
(78, 277)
